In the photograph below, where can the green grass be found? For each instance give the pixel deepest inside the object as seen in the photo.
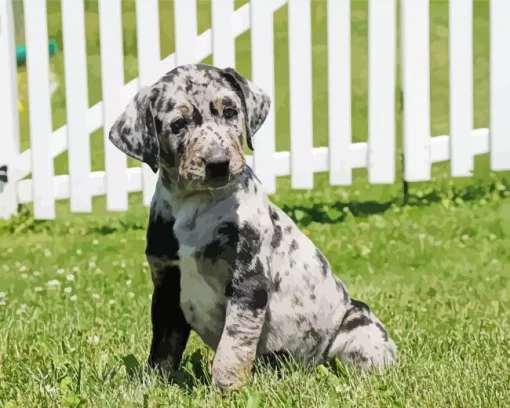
(75, 302)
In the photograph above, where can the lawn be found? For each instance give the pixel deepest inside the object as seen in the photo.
(75, 292)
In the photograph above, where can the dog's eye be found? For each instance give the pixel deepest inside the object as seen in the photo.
(178, 125)
(229, 113)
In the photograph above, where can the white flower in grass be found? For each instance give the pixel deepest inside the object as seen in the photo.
(92, 264)
(3, 295)
(37, 273)
(76, 269)
(78, 252)
(131, 295)
(24, 275)
(93, 340)
(129, 282)
(38, 289)
(54, 283)
(21, 309)
(112, 302)
(70, 277)
(96, 296)
(73, 298)
(68, 290)
(60, 271)
(95, 242)
(47, 252)
(6, 268)
(365, 251)
(22, 268)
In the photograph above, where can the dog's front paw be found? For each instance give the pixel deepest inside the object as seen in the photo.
(229, 375)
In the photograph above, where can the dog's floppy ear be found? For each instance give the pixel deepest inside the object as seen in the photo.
(134, 131)
(256, 103)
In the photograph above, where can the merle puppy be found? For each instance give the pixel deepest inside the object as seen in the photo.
(225, 261)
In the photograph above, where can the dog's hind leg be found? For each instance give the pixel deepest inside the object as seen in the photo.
(362, 340)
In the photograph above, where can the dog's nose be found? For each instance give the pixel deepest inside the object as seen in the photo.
(217, 168)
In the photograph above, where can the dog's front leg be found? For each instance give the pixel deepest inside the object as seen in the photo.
(247, 299)
(170, 331)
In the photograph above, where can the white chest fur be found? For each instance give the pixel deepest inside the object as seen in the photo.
(202, 298)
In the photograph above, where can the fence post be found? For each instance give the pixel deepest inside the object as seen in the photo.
(9, 136)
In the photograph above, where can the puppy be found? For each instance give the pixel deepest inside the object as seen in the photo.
(225, 261)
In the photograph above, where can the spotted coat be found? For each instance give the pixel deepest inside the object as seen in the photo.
(226, 262)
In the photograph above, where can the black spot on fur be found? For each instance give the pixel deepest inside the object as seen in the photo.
(357, 356)
(277, 282)
(359, 304)
(170, 105)
(296, 301)
(293, 246)
(322, 261)
(161, 241)
(230, 232)
(383, 331)
(229, 290)
(355, 323)
(313, 297)
(301, 321)
(250, 244)
(232, 330)
(314, 335)
(259, 300)
(198, 120)
(340, 287)
(214, 250)
(277, 230)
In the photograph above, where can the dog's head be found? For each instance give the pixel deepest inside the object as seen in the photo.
(192, 123)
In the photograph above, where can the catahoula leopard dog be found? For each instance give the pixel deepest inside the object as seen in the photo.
(225, 261)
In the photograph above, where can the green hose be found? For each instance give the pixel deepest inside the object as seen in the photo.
(21, 51)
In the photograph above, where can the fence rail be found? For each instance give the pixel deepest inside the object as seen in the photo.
(341, 155)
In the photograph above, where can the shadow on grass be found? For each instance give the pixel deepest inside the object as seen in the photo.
(321, 212)
(191, 374)
(336, 212)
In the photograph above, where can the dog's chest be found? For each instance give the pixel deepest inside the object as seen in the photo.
(203, 295)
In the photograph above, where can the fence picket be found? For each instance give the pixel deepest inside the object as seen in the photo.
(149, 55)
(9, 118)
(339, 91)
(461, 87)
(36, 37)
(73, 33)
(223, 44)
(300, 89)
(416, 89)
(185, 18)
(499, 84)
(112, 74)
(382, 19)
(262, 63)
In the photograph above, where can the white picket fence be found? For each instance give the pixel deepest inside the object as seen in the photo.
(303, 160)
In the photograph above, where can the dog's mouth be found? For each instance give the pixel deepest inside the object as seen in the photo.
(204, 181)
